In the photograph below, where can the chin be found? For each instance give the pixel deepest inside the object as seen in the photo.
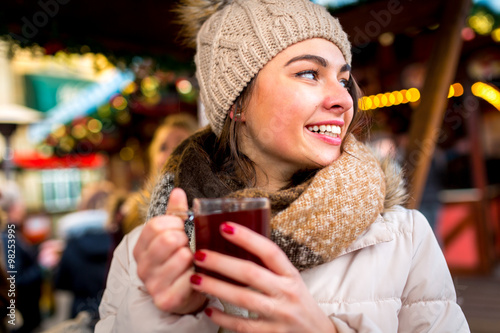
(331, 158)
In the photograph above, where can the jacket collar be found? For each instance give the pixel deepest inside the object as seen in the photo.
(378, 232)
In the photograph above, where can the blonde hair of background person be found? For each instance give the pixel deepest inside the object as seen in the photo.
(170, 133)
(344, 256)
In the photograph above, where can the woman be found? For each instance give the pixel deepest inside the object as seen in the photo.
(172, 131)
(275, 80)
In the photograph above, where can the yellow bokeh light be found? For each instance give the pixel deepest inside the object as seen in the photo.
(149, 86)
(390, 99)
(59, 130)
(367, 103)
(482, 23)
(383, 99)
(376, 101)
(361, 104)
(451, 92)
(399, 97)
(127, 153)
(487, 92)
(386, 39)
(495, 35)
(130, 89)
(78, 131)
(413, 95)
(94, 125)
(403, 93)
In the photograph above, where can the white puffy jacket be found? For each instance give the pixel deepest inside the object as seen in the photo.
(393, 278)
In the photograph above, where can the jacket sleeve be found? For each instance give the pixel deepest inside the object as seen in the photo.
(429, 299)
(127, 307)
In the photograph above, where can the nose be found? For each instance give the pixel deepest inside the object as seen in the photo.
(337, 98)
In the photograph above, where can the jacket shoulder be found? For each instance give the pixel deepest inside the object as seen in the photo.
(403, 220)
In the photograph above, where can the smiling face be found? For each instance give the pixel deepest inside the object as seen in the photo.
(299, 111)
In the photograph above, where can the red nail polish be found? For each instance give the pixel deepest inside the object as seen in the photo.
(208, 312)
(195, 279)
(227, 229)
(199, 256)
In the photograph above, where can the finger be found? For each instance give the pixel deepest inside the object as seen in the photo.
(160, 251)
(177, 201)
(152, 229)
(239, 324)
(270, 253)
(244, 271)
(236, 295)
(163, 277)
(180, 297)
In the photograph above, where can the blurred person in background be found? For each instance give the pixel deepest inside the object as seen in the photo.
(83, 265)
(29, 274)
(172, 131)
(125, 209)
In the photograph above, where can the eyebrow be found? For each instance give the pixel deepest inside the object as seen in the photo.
(317, 59)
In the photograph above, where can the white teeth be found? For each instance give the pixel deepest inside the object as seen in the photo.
(330, 130)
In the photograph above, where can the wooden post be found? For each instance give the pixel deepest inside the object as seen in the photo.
(427, 119)
(482, 219)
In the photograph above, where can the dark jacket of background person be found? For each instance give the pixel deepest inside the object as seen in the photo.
(83, 269)
(83, 265)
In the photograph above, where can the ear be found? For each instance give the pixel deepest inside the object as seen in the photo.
(240, 116)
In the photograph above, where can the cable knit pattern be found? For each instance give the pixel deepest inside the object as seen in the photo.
(241, 37)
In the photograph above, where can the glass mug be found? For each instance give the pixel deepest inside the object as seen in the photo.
(210, 213)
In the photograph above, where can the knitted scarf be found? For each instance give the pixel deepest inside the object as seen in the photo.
(312, 222)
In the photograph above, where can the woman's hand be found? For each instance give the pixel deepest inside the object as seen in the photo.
(165, 262)
(279, 296)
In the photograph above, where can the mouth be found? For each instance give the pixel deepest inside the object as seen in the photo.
(333, 131)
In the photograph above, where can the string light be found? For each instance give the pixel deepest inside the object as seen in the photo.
(487, 92)
(404, 96)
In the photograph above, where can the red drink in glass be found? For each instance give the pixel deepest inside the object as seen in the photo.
(249, 212)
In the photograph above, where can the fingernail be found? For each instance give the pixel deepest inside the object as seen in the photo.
(227, 229)
(199, 256)
(195, 279)
(208, 312)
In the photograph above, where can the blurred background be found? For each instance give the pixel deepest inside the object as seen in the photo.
(88, 90)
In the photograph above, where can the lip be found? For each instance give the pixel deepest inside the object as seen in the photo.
(325, 138)
(339, 123)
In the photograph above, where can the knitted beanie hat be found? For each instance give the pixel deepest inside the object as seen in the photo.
(238, 37)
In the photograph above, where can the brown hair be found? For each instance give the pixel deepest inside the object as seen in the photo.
(236, 167)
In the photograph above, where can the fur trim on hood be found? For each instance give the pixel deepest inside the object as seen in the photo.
(395, 184)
